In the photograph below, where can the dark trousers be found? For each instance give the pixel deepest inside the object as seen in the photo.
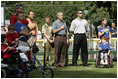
(80, 41)
(60, 46)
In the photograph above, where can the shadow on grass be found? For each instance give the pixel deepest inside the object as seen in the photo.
(80, 72)
(84, 74)
(77, 74)
(89, 64)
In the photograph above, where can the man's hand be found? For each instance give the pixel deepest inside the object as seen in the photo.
(59, 29)
(32, 26)
(67, 41)
(62, 27)
(51, 41)
(72, 32)
(87, 35)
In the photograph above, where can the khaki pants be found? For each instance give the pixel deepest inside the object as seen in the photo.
(49, 49)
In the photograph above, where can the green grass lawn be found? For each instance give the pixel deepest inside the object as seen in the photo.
(79, 71)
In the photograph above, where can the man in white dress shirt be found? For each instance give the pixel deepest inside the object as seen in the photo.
(79, 27)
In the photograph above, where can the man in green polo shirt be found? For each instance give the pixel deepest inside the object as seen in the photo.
(49, 41)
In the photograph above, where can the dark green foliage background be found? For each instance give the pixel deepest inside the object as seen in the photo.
(96, 10)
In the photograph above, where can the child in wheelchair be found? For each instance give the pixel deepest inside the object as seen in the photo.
(104, 52)
(11, 55)
(5, 49)
(13, 41)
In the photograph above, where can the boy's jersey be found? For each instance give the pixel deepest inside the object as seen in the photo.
(21, 27)
(105, 47)
(11, 38)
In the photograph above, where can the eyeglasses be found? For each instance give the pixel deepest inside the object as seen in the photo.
(80, 13)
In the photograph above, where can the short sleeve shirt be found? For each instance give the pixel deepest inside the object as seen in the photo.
(21, 27)
(11, 38)
(79, 26)
(114, 31)
(33, 24)
(14, 19)
(105, 47)
(106, 34)
(47, 29)
(57, 24)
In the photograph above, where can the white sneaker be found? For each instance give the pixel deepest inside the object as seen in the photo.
(102, 62)
(3, 65)
(106, 62)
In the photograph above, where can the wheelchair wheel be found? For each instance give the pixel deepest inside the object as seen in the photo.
(111, 61)
(25, 76)
(97, 63)
(3, 73)
(48, 73)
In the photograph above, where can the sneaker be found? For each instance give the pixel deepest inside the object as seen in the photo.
(101, 62)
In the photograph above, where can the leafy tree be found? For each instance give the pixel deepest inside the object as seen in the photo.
(96, 10)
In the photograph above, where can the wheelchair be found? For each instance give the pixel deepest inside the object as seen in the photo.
(12, 67)
(104, 60)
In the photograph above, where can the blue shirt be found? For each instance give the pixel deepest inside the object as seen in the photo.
(105, 47)
(57, 24)
(20, 27)
(106, 34)
(114, 31)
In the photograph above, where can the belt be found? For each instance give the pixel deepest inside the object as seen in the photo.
(61, 35)
(79, 34)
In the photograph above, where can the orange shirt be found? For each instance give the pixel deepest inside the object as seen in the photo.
(33, 27)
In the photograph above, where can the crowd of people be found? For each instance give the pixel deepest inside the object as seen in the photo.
(56, 36)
